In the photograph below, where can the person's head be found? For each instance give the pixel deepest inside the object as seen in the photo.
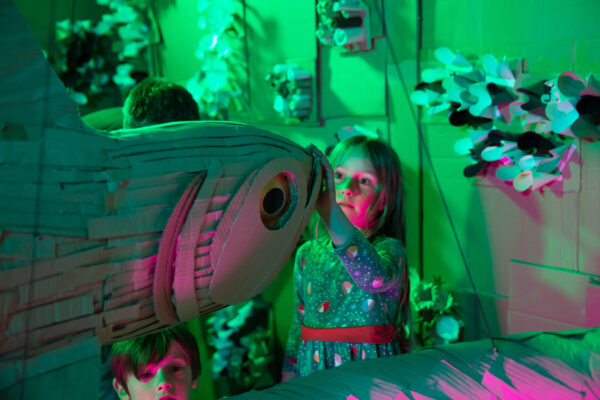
(368, 185)
(162, 365)
(158, 101)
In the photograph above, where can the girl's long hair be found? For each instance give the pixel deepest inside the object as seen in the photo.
(390, 220)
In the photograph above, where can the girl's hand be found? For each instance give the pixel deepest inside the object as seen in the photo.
(340, 228)
(326, 199)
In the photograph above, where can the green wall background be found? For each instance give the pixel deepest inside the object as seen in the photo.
(533, 258)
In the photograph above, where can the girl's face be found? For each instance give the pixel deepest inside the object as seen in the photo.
(355, 187)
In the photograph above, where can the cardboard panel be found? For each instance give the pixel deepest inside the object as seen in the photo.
(495, 309)
(589, 217)
(587, 56)
(277, 32)
(79, 380)
(548, 293)
(353, 84)
(578, 20)
(592, 304)
(476, 233)
(518, 322)
(519, 15)
(440, 27)
(535, 228)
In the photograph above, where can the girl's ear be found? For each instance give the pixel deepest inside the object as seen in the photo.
(120, 389)
(195, 383)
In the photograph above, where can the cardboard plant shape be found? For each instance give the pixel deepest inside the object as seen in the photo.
(119, 234)
(523, 129)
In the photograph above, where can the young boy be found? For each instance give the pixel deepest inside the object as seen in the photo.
(157, 101)
(163, 365)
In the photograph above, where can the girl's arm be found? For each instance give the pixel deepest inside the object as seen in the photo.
(374, 267)
(290, 365)
(340, 228)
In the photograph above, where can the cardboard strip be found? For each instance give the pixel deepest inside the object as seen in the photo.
(127, 298)
(44, 269)
(136, 328)
(183, 280)
(37, 337)
(64, 353)
(164, 271)
(45, 315)
(144, 221)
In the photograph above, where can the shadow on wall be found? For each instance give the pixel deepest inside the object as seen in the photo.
(442, 256)
(532, 227)
(267, 46)
(477, 248)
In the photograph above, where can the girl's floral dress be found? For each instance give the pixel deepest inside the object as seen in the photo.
(357, 284)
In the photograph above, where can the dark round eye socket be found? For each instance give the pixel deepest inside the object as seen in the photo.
(276, 199)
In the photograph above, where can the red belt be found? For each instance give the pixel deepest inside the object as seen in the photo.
(376, 334)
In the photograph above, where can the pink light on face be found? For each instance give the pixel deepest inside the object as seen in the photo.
(355, 188)
(170, 378)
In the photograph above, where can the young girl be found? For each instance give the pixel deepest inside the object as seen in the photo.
(352, 288)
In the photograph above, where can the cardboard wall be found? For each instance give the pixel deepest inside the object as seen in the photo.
(533, 257)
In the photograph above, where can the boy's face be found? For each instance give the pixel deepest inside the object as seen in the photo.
(169, 379)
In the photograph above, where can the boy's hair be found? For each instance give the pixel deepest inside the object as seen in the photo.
(134, 354)
(389, 221)
(158, 101)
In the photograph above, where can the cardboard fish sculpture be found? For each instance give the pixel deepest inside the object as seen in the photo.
(115, 235)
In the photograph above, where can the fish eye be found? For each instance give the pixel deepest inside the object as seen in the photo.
(276, 200)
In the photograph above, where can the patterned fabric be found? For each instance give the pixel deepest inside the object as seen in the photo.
(357, 284)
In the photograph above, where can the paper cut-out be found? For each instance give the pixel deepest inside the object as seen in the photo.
(293, 86)
(122, 233)
(345, 24)
(516, 118)
(217, 85)
(96, 56)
